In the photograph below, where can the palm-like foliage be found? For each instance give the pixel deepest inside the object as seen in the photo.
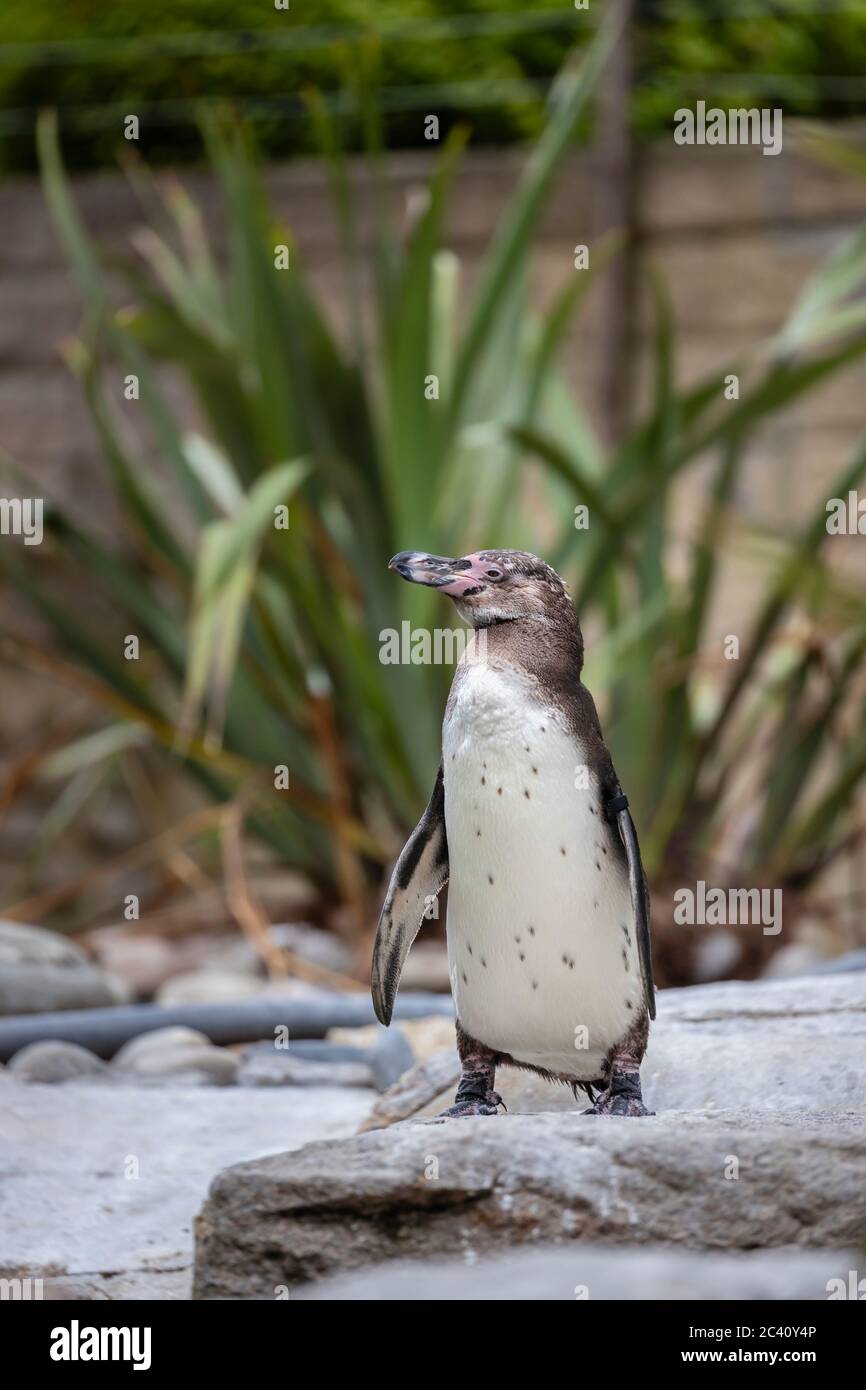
(260, 646)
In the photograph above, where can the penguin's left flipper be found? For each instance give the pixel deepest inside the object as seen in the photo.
(618, 807)
(419, 874)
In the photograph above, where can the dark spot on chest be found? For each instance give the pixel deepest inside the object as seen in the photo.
(532, 931)
(490, 879)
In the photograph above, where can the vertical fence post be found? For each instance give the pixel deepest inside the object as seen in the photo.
(614, 203)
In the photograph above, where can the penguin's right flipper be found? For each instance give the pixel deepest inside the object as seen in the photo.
(419, 873)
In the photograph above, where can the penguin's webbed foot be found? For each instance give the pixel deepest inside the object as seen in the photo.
(475, 1094)
(621, 1097)
(486, 1104)
(617, 1103)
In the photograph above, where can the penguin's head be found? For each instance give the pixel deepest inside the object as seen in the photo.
(491, 586)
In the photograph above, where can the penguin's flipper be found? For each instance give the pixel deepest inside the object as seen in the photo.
(419, 873)
(639, 897)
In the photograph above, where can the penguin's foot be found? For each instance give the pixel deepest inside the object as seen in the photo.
(621, 1097)
(475, 1094)
(612, 1102)
(486, 1104)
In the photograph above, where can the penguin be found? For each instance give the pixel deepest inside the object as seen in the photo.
(548, 917)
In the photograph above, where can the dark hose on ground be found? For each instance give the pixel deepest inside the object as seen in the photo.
(104, 1031)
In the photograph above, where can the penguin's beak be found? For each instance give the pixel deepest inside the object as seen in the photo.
(453, 577)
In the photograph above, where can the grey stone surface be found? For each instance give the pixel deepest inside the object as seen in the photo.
(162, 1285)
(52, 1062)
(784, 1045)
(275, 1068)
(580, 1271)
(68, 1210)
(476, 1186)
(41, 971)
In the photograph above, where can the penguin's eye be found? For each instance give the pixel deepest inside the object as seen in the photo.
(494, 574)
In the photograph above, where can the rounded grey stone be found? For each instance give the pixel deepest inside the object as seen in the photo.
(42, 972)
(139, 1051)
(52, 1062)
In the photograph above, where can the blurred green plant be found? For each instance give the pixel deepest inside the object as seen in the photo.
(487, 61)
(93, 64)
(260, 647)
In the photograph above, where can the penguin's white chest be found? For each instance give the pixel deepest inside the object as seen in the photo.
(541, 939)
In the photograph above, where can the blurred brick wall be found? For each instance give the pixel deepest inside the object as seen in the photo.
(734, 232)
